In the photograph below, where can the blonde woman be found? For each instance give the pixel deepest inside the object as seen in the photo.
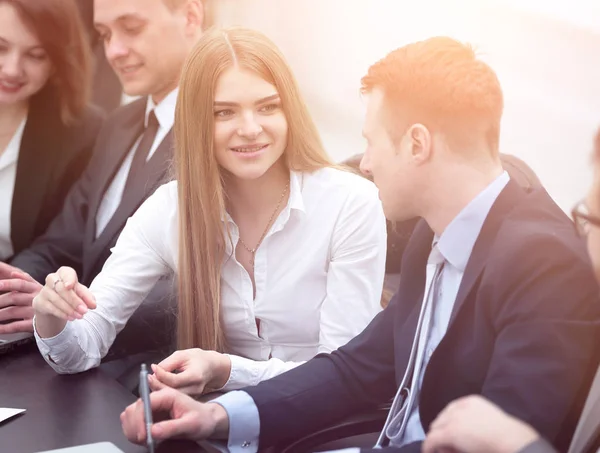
(279, 255)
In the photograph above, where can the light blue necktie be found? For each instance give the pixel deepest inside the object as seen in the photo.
(406, 397)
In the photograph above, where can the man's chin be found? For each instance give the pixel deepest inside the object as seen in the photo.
(134, 89)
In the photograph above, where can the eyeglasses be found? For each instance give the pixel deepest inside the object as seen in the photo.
(583, 219)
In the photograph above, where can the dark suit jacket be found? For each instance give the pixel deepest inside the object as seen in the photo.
(523, 333)
(587, 435)
(51, 158)
(71, 238)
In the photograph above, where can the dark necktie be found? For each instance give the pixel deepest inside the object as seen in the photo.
(142, 151)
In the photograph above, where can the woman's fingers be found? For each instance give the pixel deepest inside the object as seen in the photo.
(55, 291)
(155, 384)
(50, 303)
(175, 361)
(85, 295)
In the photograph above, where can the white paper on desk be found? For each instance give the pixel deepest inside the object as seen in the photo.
(6, 413)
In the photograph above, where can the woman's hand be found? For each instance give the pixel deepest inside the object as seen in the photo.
(192, 371)
(61, 299)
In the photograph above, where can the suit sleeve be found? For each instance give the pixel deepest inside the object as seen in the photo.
(546, 323)
(356, 377)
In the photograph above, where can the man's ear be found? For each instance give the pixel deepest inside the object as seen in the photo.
(194, 16)
(420, 142)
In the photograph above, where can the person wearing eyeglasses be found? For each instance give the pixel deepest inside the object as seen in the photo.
(473, 424)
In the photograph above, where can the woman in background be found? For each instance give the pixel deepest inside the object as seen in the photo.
(279, 255)
(47, 130)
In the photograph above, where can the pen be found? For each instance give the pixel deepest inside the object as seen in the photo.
(145, 395)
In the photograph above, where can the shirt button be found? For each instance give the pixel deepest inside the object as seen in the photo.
(246, 444)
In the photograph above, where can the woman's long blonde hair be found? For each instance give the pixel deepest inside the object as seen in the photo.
(202, 234)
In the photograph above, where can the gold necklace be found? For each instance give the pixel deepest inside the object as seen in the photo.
(253, 251)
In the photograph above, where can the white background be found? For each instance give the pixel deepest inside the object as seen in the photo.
(546, 53)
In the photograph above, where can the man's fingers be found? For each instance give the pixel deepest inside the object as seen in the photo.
(20, 285)
(85, 295)
(16, 312)
(6, 270)
(17, 327)
(164, 399)
(133, 423)
(23, 276)
(9, 299)
(182, 427)
(434, 442)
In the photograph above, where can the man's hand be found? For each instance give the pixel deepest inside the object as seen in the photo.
(473, 424)
(17, 290)
(188, 418)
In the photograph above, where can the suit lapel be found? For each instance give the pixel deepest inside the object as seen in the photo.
(35, 166)
(122, 139)
(507, 199)
(154, 174)
(588, 428)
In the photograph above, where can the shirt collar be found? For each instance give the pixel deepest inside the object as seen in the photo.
(458, 239)
(11, 154)
(295, 202)
(164, 110)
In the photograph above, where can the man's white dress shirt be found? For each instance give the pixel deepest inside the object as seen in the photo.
(165, 114)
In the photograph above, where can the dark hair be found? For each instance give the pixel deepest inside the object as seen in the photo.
(442, 84)
(59, 28)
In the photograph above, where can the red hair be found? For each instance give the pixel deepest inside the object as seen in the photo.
(441, 83)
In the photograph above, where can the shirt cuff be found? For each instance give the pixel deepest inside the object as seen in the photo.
(244, 423)
(243, 374)
(57, 343)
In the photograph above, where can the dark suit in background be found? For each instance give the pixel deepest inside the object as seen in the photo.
(523, 333)
(51, 158)
(587, 435)
(71, 238)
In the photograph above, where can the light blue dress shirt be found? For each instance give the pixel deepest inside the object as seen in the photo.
(455, 244)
